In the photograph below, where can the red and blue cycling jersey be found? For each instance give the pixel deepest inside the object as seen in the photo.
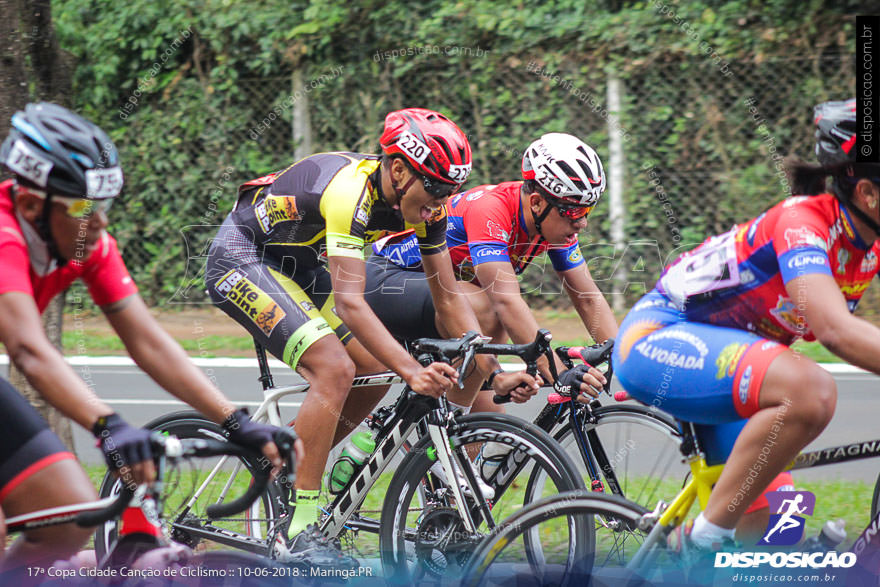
(738, 279)
(25, 265)
(484, 224)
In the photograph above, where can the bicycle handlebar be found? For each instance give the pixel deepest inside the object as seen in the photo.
(472, 344)
(175, 448)
(591, 355)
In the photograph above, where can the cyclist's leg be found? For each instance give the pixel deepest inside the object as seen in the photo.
(279, 314)
(717, 442)
(790, 408)
(490, 325)
(38, 472)
(318, 285)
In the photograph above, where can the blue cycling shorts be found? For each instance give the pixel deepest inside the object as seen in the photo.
(701, 373)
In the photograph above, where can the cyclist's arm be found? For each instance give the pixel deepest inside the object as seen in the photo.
(853, 339)
(349, 278)
(589, 302)
(453, 310)
(163, 360)
(502, 287)
(21, 330)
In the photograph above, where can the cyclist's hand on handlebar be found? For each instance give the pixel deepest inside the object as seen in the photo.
(433, 380)
(125, 448)
(518, 384)
(254, 435)
(580, 380)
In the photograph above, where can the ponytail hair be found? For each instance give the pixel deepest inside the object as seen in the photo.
(807, 179)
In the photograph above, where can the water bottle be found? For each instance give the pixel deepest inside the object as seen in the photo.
(356, 452)
(491, 456)
(833, 533)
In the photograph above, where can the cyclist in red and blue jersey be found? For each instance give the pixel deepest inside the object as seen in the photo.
(52, 232)
(710, 344)
(494, 232)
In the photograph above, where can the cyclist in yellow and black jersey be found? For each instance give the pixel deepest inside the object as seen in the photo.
(327, 203)
(288, 265)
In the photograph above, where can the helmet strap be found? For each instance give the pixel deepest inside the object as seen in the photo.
(539, 219)
(850, 205)
(404, 189)
(45, 232)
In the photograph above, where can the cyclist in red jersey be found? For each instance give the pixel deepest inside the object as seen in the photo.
(52, 221)
(710, 343)
(494, 232)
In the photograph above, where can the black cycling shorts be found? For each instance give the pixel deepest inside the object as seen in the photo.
(283, 309)
(28, 445)
(401, 299)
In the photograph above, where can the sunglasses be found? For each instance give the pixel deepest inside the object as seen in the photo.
(439, 189)
(81, 208)
(571, 212)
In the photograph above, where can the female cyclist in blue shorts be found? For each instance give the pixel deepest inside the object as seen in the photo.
(710, 343)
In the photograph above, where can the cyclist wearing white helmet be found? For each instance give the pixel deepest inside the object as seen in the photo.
(494, 232)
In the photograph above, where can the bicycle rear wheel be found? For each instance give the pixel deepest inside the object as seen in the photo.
(428, 542)
(498, 559)
(218, 479)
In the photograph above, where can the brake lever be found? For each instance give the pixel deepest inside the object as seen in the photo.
(465, 363)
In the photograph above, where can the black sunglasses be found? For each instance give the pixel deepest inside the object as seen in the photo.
(439, 189)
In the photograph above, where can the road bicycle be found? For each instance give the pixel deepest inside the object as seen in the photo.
(139, 553)
(633, 550)
(450, 517)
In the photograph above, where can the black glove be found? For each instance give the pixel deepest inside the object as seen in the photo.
(123, 445)
(569, 382)
(247, 433)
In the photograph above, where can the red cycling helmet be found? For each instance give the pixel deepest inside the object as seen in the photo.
(432, 144)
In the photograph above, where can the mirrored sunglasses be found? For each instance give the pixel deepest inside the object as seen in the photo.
(83, 208)
(572, 212)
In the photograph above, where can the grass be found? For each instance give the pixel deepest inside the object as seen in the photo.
(95, 343)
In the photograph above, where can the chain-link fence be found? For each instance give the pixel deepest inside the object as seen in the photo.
(697, 145)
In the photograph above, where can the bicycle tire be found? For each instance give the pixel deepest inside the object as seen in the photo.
(398, 542)
(575, 571)
(622, 430)
(623, 433)
(875, 500)
(190, 424)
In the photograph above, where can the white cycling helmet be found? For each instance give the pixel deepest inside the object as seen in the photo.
(566, 167)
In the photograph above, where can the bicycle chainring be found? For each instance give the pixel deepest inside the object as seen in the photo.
(442, 545)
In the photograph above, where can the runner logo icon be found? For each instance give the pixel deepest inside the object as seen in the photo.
(786, 525)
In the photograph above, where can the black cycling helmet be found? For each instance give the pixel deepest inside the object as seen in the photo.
(54, 150)
(836, 152)
(835, 132)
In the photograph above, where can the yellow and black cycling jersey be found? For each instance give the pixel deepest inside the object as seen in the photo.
(327, 204)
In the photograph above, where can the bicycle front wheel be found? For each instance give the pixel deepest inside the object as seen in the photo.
(423, 542)
(498, 558)
(640, 447)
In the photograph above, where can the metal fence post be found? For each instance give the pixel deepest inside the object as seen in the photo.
(300, 125)
(616, 165)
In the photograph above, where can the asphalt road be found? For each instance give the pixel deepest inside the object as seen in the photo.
(139, 401)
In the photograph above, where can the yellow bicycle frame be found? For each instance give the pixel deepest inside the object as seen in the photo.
(703, 477)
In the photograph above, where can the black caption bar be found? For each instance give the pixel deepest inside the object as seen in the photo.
(867, 113)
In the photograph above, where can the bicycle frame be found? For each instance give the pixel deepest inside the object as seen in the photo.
(703, 478)
(268, 410)
(408, 412)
